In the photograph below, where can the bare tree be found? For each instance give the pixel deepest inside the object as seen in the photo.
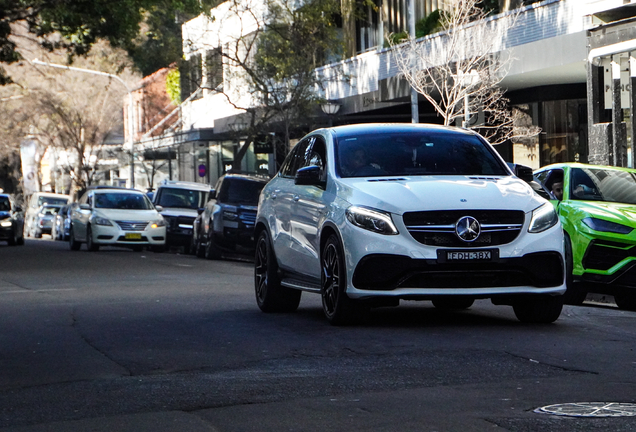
(70, 112)
(459, 70)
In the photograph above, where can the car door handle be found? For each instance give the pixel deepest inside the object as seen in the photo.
(296, 198)
(275, 193)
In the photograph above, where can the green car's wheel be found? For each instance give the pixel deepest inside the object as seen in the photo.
(576, 293)
(626, 301)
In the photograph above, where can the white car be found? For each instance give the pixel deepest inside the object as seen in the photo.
(116, 217)
(368, 215)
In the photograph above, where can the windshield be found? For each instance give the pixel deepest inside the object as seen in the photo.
(182, 198)
(51, 200)
(49, 210)
(122, 201)
(600, 184)
(5, 205)
(238, 191)
(416, 153)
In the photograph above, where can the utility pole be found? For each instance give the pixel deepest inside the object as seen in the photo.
(131, 129)
(415, 111)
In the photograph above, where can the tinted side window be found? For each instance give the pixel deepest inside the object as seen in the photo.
(296, 158)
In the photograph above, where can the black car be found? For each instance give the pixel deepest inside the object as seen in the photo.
(226, 223)
(11, 221)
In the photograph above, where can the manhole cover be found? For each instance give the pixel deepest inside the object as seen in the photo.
(590, 409)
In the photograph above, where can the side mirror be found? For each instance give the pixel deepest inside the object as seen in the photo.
(200, 210)
(84, 207)
(159, 208)
(212, 195)
(309, 176)
(524, 173)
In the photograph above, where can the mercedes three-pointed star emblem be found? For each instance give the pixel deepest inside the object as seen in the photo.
(467, 229)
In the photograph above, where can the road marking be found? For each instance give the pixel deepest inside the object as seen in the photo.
(22, 291)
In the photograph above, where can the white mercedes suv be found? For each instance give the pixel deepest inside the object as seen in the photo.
(368, 215)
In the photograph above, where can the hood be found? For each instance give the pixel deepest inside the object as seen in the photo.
(406, 194)
(624, 214)
(128, 215)
(175, 212)
(4, 214)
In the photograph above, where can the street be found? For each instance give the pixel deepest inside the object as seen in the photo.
(118, 340)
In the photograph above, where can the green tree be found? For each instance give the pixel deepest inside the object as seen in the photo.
(75, 25)
(272, 69)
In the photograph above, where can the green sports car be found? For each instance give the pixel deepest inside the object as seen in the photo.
(597, 207)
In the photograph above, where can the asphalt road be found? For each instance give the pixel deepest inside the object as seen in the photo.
(118, 340)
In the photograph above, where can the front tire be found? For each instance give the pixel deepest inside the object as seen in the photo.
(270, 295)
(625, 301)
(90, 244)
(73, 244)
(538, 309)
(338, 308)
(212, 251)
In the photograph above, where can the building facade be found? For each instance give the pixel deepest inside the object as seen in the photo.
(571, 76)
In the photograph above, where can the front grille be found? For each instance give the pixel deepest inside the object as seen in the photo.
(437, 228)
(132, 225)
(605, 255)
(184, 220)
(248, 217)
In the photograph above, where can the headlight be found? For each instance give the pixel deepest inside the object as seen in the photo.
(371, 220)
(102, 221)
(543, 218)
(158, 223)
(5, 223)
(606, 226)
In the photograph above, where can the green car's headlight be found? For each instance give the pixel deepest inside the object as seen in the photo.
(371, 220)
(606, 226)
(102, 221)
(543, 218)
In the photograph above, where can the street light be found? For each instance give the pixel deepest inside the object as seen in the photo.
(130, 108)
(330, 108)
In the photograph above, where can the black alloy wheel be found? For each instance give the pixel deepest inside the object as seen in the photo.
(270, 295)
(339, 309)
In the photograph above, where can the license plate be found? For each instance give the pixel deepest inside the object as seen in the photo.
(133, 236)
(467, 255)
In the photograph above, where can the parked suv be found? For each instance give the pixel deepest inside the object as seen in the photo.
(180, 201)
(227, 221)
(368, 215)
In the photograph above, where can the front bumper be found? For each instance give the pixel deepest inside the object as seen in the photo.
(6, 233)
(400, 266)
(116, 236)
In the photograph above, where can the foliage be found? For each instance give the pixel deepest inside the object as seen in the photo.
(69, 113)
(273, 68)
(75, 25)
(423, 27)
(173, 87)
